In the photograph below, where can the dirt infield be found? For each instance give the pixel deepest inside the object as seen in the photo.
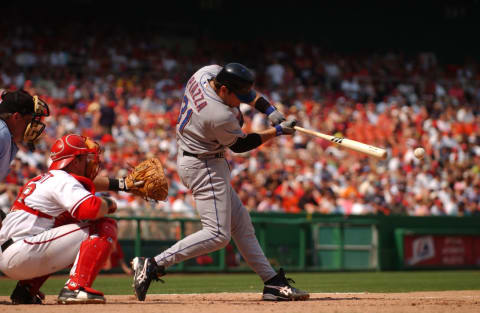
(434, 302)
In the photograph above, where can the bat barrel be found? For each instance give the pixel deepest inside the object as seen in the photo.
(365, 148)
(348, 143)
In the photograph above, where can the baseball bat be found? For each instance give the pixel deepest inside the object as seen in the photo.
(348, 143)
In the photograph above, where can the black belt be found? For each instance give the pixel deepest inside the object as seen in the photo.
(218, 155)
(6, 244)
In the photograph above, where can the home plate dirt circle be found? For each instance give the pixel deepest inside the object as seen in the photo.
(425, 302)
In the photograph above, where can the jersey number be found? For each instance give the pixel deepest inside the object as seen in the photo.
(31, 185)
(187, 117)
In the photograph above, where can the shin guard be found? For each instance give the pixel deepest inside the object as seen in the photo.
(93, 254)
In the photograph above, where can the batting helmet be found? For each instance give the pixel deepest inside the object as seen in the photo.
(67, 148)
(239, 79)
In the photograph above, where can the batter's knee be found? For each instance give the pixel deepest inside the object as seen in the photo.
(222, 240)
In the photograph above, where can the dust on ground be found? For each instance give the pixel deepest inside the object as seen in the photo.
(425, 302)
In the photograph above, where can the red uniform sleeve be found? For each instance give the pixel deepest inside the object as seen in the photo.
(88, 209)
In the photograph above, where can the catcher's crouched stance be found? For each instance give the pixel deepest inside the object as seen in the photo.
(57, 221)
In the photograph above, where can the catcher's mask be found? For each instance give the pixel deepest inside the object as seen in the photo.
(36, 126)
(67, 148)
(22, 102)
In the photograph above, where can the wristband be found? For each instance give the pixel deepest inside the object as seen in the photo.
(121, 184)
(117, 184)
(270, 110)
(264, 106)
(279, 130)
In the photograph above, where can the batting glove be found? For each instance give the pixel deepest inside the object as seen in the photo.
(276, 117)
(286, 127)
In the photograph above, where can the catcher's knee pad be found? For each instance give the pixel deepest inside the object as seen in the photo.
(105, 228)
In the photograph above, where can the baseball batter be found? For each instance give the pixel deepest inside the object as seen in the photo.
(209, 122)
(57, 221)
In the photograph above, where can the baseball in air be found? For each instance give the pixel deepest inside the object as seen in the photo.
(419, 153)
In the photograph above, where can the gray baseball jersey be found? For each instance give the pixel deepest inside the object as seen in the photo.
(205, 124)
(205, 127)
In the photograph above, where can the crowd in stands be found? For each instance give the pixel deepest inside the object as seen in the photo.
(125, 89)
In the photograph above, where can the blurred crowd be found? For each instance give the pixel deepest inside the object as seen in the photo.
(124, 89)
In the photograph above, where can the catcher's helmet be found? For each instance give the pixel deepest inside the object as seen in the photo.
(67, 148)
(239, 79)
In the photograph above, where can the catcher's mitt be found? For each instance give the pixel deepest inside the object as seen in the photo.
(150, 172)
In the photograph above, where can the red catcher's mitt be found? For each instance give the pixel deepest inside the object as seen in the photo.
(150, 172)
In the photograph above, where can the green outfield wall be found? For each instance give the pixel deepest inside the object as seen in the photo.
(300, 242)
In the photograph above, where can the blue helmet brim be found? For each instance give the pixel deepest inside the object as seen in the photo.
(248, 97)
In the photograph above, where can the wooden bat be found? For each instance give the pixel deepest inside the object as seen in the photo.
(347, 143)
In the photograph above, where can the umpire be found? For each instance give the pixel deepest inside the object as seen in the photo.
(20, 121)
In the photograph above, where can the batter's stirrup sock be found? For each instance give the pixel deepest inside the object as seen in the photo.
(145, 270)
(278, 288)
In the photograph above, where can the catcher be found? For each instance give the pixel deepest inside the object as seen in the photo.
(57, 221)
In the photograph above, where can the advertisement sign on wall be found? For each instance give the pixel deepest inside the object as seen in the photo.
(441, 250)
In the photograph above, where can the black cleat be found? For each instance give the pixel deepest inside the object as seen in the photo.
(22, 295)
(278, 289)
(80, 296)
(145, 270)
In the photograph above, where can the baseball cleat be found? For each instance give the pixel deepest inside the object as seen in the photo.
(279, 289)
(22, 295)
(81, 295)
(145, 270)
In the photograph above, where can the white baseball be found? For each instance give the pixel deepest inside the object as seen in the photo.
(419, 153)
